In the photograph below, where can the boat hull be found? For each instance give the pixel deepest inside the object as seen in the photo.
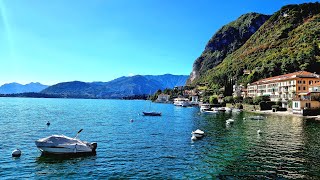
(151, 114)
(198, 135)
(65, 151)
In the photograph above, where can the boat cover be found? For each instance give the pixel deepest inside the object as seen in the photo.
(56, 140)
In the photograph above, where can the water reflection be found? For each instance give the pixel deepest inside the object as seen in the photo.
(271, 154)
(68, 166)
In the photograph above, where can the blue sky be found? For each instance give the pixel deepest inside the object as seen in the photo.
(99, 40)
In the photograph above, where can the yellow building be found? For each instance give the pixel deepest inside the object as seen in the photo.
(284, 87)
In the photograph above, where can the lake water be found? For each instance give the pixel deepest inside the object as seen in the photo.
(154, 147)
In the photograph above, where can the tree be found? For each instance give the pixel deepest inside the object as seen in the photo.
(213, 99)
(228, 99)
(258, 99)
(248, 100)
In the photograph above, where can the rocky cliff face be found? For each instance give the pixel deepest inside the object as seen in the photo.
(228, 39)
(288, 41)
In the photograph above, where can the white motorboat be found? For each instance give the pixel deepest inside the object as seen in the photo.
(227, 109)
(184, 102)
(197, 133)
(209, 112)
(193, 137)
(63, 145)
(230, 121)
(215, 109)
(235, 110)
(205, 107)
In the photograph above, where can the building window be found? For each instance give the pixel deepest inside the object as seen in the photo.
(296, 105)
(308, 105)
(304, 82)
(299, 88)
(310, 82)
(304, 88)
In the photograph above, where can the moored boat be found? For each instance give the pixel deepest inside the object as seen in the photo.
(229, 121)
(198, 133)
(151, 113)
(256, 117)
(235, 110)
(183, 102)
(205, 107)
(63, 145)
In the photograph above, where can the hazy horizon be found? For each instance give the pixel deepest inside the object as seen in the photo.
(90, 81)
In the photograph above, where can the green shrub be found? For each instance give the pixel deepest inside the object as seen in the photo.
(228, 99)
(266, 105)
(238, 99)
(239, 106)
(259, 99)
(213, 99)
(275, 106)
(248, 100)
(279, 103)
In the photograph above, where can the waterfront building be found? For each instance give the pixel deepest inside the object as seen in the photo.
(163, 98)
(310, 100)
(284, 87)
(194, 100)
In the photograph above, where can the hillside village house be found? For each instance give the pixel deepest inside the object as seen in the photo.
(284, 87)
(310, 100)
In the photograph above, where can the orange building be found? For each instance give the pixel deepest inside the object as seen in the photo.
(311, 100)
(284, 87)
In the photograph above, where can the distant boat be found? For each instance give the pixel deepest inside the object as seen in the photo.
(152, 113)
(235, 110)
(204, 107)
(256, 117)
(209, 112)
(197, 133)
(183, 102)
(229, 121)
(63, 145)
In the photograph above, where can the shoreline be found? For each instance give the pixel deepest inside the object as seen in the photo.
(285, 113)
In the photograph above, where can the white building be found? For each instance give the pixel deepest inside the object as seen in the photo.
(163, 98)
(284, 87)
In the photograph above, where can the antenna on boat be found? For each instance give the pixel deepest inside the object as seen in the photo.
(78, 133)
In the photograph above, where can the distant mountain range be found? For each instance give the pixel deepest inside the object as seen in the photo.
(117, 88)
(13, 88)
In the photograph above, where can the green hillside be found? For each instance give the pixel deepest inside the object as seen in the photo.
(288, 41)
(225, 41)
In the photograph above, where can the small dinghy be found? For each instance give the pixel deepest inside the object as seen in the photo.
(197, 133)
(63, 145)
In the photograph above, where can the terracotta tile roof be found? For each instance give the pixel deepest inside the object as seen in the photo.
(286, 77)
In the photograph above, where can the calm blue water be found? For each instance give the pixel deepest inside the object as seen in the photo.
(154, 147)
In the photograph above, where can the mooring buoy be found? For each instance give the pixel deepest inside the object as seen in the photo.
(16, 153)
